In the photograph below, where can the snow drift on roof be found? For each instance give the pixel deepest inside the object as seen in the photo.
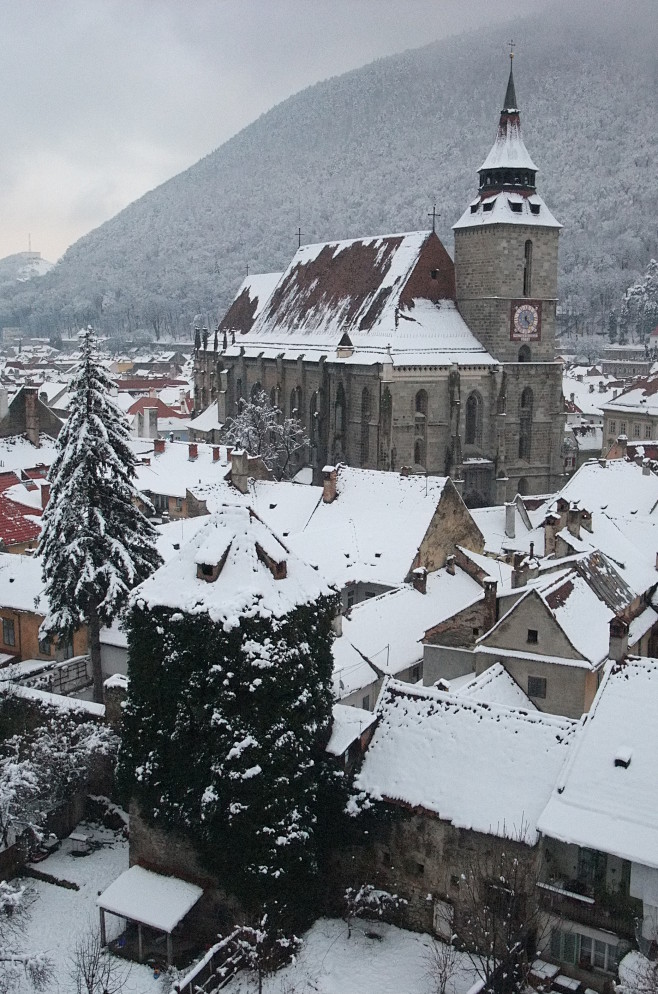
(482, 767)
(597, 803)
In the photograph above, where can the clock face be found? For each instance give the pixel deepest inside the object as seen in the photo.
(526, 321)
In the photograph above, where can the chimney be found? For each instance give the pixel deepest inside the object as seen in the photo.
(45, 495)
(419, 579)
(193, 450)
(510, 519)
(603, 463)
(329, 477)
(405, 470)
(158, 444)
(519, 571)
(573, 521)
(646, 468)
(4, 402)
(618, 648)
(229, 452)
(240, 470)
(572, 398)
(622, 442)
(586, 520)
(601, 386)
(490, 603)
(215, 453)
(31, 414)
(450, 565)
(591, 388)
(551, 523)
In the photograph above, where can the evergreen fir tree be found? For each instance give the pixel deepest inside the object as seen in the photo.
(95, 543)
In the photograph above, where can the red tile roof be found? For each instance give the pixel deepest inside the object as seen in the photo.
(16, 528)
(164, 411)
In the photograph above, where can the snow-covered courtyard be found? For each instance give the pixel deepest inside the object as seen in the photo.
(377, 959)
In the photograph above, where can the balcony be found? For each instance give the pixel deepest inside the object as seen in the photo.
(612, 912)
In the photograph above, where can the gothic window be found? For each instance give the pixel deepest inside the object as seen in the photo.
(313, 418)
(296, 403)
(386, 417)
(420, 403)
(474, 419)
(255, 391)
(339, 410)
(419, 452)
(527, 269)
(525, 424)
(238, 393)
(365, 426)
(273, 397)
(524, 353)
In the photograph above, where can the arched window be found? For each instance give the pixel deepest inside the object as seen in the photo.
(238, 393)
(473, 434)
(365, 426)
(313, 418)
(527, 269)
(296, 403)
(523, 486)
(419, 452)
(525, 354)
(339, 410)
(525, 424)
(273, 397)
(420, 403)
(255, 391)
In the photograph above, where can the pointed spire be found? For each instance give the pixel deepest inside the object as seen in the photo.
(510, 94)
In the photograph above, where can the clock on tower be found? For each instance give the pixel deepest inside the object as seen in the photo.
(525, 324)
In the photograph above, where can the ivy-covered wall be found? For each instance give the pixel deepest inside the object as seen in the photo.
(223, 743)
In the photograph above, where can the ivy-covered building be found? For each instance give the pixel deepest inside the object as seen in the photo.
(228, 713)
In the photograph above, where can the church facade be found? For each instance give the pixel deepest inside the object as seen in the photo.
(393, 356)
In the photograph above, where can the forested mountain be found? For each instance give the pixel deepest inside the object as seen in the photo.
(369, 152)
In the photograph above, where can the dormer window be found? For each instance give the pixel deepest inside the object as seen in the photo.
(515, 206)
(535, 208)
(207, 572)
(474, 208)
(489, 205)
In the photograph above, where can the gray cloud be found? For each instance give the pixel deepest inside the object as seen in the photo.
(105, 99)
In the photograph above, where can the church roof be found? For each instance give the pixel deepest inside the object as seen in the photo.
(381, 299)
(253, 294)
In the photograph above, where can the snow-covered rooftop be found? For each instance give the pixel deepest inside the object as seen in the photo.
(21, 585)
(238, 541)
(507, 208)
(605, 798)
(348, 724)
(388, 630)
(639, 398)
(150, 898)
(479, 766)
(493, 686)
(172, 472)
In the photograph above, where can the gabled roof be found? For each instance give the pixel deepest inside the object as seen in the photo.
(641, 397)
(381, 299)
(17, 524)
(605, 798)
(479, 766)
(253, 294)
(164, 411)
(495, 686)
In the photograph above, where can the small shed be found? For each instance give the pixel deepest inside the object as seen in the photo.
(146, 898)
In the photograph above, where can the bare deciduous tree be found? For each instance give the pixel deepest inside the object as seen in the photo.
(93, 970)
(442, 965)
(17, 962)
(263, 431)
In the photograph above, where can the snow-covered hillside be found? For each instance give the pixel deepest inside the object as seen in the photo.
(370, 152)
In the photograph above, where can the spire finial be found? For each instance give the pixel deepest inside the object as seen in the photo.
(510, 94)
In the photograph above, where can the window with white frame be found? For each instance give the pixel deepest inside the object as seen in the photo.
(578, 949)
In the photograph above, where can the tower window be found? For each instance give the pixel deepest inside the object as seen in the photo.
(489, 205)
(420, 403)
(365, 427)
(525, 424)
(524, 354)
(535, 208)
(527, 269)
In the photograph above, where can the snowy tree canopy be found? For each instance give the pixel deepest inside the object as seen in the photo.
(639, 309)
(95, 543)
(262, 430)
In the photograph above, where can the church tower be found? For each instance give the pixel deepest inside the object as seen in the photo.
(506, 254)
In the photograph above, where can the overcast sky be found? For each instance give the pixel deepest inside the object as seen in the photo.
(103, 100)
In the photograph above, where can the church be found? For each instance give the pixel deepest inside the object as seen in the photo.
(393, 356)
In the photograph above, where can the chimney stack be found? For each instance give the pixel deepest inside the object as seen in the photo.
(490, 603)
(419, 579)
(158, 445)
(646, 468)
(519, 570)
(229, 452)
(45, 495)
(31, 414)
(618, 648)
(215, 453)
(240, 470)
(573, 521)
(193, 450)
(510, 519)
(329, 477)
(450, 565)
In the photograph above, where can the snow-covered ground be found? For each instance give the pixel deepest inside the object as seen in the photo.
(330, 963)
(377, 959)
(58, 917)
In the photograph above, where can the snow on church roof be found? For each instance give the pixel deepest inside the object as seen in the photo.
(479, 766)
(604, 799)
(235, 539)
(251, 298)
(507, 208)
(347, 299)
(508, 150)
